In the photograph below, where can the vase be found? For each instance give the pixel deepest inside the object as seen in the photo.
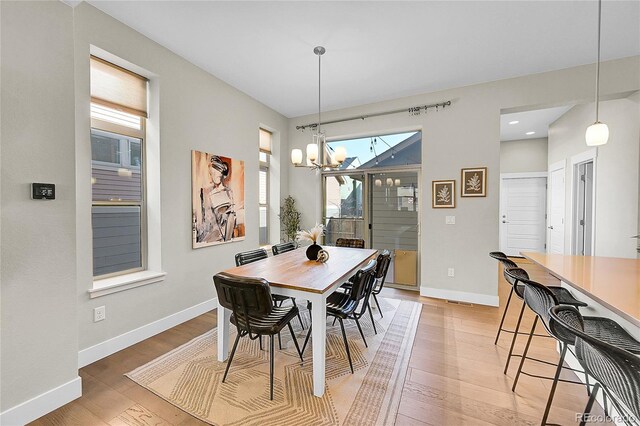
(312, 251)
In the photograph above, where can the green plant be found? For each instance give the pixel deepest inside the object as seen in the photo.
(289, 219)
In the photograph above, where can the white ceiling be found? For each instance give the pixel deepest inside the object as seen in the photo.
(378, 50)
(536, 121)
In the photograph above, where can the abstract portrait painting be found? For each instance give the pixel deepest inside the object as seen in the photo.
(217, 185)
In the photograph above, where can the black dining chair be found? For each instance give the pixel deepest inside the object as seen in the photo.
(345, 305)
(350, 242)
(382, 267)
(253, 256)
(515, 276)
(253, 313)
(613, 364)
(283, 247)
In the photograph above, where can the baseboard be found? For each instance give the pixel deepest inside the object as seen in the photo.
(460, 296)
(113, 345)
(42, 404)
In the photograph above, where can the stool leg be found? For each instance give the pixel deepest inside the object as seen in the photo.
(524, 354)
(233, 352)
(372, 321)
(587, 409)
(554, 385)
(513, 340)
(504, 314)
(295, 341)
(361, 333)
(378, 305)
(346, 344)
(306, 340)
(279, 342)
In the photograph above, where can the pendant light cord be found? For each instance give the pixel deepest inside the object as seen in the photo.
(598, 63)
(319, 82)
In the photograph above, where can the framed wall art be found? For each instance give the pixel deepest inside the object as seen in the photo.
(217, 186)
(474, 182)
(443, 194)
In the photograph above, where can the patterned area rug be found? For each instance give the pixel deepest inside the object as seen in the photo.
(190, 376)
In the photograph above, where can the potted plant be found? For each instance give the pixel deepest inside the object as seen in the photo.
(289, 219)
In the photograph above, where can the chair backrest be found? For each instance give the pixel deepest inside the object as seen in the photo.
(363, 283)
(506, 264)
(617, 370)
(382, 267)
(350, 242)
(246, 297)
(497, 255)
(250, 256)
(283, 248)
(564, 320)
(537, 296)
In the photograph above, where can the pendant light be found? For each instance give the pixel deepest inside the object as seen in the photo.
(597, 133)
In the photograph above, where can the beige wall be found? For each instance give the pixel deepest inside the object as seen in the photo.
(47, 315)
(39, 332)
(465, 135)
(616, 198)
(525, 155)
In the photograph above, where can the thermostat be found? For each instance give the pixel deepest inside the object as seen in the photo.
(43, 191)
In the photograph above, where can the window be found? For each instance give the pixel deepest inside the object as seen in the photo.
(118, 213)
(266, 138)
(394, 150)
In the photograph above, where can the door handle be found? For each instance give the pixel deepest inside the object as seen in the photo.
(505, 221)
(550, 227)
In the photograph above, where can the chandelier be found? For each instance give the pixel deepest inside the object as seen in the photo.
(317, 147)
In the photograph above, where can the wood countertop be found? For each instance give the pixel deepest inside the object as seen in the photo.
(613, 282)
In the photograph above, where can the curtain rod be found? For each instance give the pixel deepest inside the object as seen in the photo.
(413, 111)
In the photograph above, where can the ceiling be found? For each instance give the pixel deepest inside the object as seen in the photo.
(378, 50)
(515, 126)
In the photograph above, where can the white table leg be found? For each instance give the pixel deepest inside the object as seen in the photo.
(223, 332)
(319, 334)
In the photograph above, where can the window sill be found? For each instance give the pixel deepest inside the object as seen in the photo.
(125, 282)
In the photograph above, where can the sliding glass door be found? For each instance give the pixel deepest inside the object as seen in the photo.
(394, 223)
(343, 206)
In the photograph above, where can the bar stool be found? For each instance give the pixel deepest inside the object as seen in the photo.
(612, 363)
(515, 288)
(517, 275)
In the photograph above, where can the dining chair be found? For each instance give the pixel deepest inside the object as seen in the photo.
(250, 256)
(515, 275)
(383, 261)
(253, 313)
(344, 306)
(350, 242)
(283, 247)
(614, 366)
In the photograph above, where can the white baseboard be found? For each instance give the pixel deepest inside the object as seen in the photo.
(111, 346)
(42, 404)
(460, 296)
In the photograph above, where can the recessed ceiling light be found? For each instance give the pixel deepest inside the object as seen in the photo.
(530, 133)
(514, 122)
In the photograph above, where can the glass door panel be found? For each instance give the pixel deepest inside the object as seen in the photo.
(393, 218)
(343, 207)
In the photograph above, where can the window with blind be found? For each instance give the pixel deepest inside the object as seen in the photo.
(118, 113)
(266, 138)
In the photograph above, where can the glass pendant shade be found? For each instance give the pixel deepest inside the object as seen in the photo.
(389, 182)
(341, 154)
(296, 156)
(378, 182)
(312, 152)
(597, 134)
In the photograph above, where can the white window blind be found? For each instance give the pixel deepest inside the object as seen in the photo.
(265, 141)
(118, 88)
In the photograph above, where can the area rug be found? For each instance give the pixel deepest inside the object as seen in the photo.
(190, 377)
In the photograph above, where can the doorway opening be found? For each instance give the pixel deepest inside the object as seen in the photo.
(583, 208)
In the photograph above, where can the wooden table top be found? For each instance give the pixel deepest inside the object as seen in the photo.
(294, 271)
(613, 282)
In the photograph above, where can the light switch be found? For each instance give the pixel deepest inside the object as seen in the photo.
(450, 220)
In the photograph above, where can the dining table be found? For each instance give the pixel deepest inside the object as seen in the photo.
(292, 274)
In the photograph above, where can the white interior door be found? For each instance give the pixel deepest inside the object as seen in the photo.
(522, 215)
(556, 211)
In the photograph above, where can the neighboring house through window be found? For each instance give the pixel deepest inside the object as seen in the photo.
(118, 213)
(266, 139)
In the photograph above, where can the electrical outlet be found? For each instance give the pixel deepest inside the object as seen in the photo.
(99, 313)
(451, 272)
(450, 220)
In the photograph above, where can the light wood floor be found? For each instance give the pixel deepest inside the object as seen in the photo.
(455, 374)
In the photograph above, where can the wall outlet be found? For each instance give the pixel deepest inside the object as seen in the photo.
(99, 313)
(450, 220)
(451, 272)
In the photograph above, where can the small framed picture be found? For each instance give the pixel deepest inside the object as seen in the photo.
(443, 194)
(474, 182)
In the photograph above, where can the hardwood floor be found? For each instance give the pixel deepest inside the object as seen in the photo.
(454, 378)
